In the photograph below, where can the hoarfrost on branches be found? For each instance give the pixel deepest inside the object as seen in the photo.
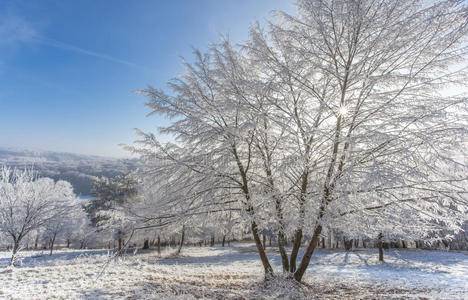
(28, 203)
(331, 119)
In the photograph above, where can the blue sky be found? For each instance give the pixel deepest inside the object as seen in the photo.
(69, 69)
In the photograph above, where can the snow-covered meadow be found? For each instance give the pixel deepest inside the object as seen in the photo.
(233, 273)
(341, 125)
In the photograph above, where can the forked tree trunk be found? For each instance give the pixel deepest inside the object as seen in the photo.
(380, 245)
(253, 225)
(281, 236)
(281, 248)
(16, 246)
(279, 211)
(299, 235)
(14, 251)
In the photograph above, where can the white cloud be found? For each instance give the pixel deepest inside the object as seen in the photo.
(68, 47)
(14, 30)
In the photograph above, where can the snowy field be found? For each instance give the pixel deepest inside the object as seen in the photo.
(233, 273)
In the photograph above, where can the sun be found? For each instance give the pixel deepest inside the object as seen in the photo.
(343, 110)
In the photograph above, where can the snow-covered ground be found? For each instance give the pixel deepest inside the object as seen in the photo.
(233, 273)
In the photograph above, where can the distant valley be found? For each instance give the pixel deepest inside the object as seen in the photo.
(76, 168)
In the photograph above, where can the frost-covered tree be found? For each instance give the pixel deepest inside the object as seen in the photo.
(78, 224)
(27, 203)
(66, 210)
(212, 164)
(85, 234)
(377, 67)
(108, 209)
(335, 117)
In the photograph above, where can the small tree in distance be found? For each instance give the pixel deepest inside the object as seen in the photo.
(27, 203)
(64, 221)
(107, 210)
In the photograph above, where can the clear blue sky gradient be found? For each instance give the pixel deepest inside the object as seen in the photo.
(69, 69)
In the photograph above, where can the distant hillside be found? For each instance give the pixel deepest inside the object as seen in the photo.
(75, 168)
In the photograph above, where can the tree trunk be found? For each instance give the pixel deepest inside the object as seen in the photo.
(212, 240)
(298, 235)
(36, 242)
(52, 242)
(181, 240)
(261, 251)
(14, 251)
(295, 250)
(224, 240)
(308, 254)
(120, 243)
(68, 243)
(348, 244)
(159, 245)
(146, 244)
(253, 225)
(380, 245)
(279, 210)
(446, 244)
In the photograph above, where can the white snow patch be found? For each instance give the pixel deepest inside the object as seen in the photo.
(233, 273)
